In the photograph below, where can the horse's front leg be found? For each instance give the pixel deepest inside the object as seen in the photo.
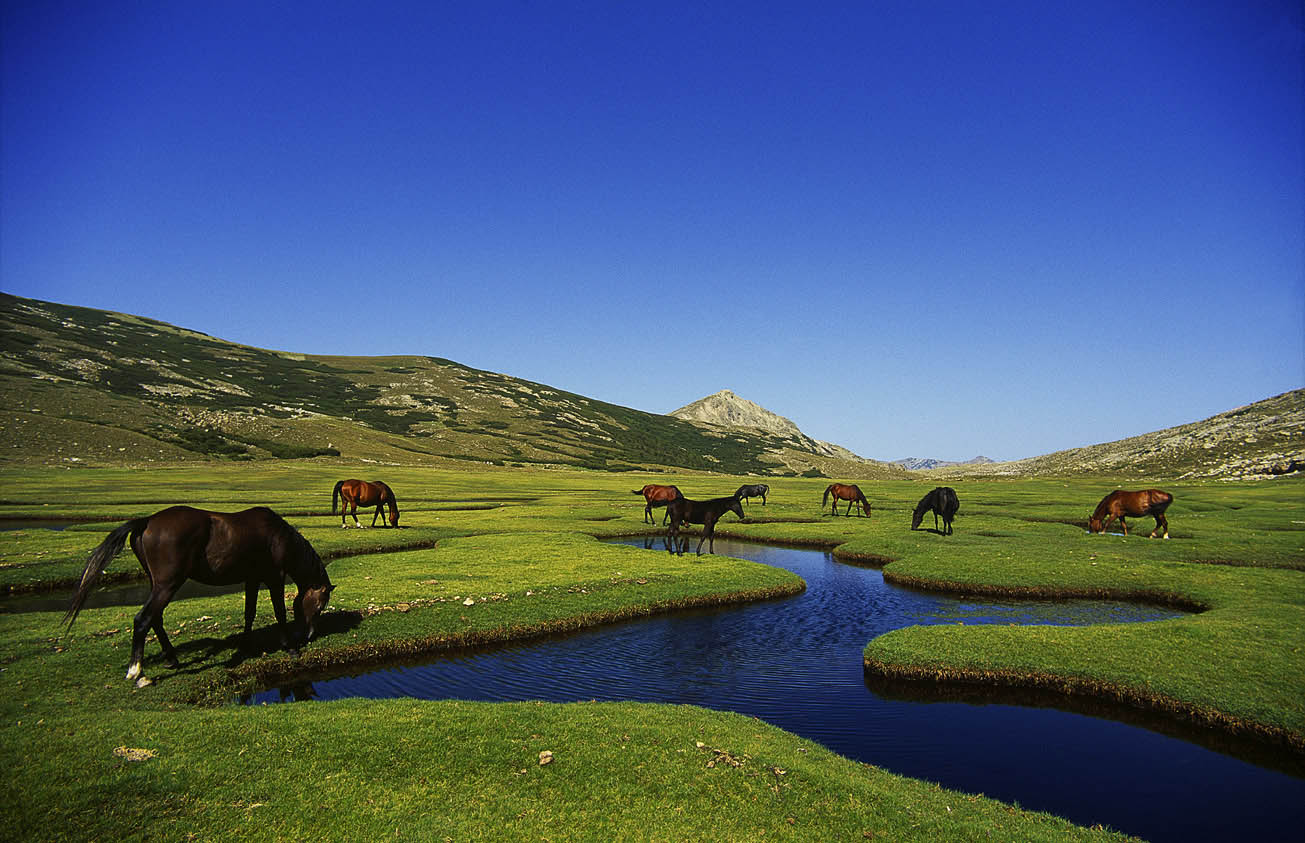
(277, 588)
(1123, 524)
(251, 609)
(377, 515)
(1160, 523)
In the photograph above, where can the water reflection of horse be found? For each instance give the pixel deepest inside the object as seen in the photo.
(255, 547)
(942, 501)
(1123, 504)
(356, 493)
(758, 490)
(706, 513)
(849, 493)
(656, 496)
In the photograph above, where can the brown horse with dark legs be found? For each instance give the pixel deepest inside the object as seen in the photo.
(706, 513)
(356, 493)
(851, 494)
(255, 547)
(1122, 504)
(656, 496)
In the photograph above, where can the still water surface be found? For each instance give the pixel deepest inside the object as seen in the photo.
(796, 663)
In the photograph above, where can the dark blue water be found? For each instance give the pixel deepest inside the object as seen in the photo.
(796, 663)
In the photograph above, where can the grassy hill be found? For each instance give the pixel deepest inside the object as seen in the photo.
(100, 388)
(1263, 439)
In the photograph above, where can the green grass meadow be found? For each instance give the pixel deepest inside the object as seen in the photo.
(492, 554)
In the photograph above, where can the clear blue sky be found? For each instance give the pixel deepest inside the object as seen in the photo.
(914, 228)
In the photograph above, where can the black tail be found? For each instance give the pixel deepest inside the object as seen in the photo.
(100, 559)
(335, 496)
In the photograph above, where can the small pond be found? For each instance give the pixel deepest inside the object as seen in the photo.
(796, 663)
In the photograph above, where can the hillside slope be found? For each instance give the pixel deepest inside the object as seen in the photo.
(96, 387)
(1259, 440)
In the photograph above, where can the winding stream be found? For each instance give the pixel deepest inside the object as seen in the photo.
(796, 663)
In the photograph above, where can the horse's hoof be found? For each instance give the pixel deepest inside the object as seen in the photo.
(144, 682)
(133, 671)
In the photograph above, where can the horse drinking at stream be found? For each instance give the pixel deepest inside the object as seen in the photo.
(357, 493)
(255, 547)
(706, 513)
(1121, 505)
(656, 496)
(849, 493)
(943, 502)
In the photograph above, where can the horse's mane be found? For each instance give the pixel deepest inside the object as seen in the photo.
(303, 555)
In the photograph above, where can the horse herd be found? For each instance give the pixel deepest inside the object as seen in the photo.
(258, 547)
(942, 501)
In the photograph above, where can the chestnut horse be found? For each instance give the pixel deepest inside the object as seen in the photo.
(656, 496)
(255, 547)
(851, 494)
(707, 513)
(361, 493)
(1122, 504)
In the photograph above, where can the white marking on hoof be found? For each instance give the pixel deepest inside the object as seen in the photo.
(144, 681)
(133, 671)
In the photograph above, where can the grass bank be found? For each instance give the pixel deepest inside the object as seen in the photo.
(493, 554)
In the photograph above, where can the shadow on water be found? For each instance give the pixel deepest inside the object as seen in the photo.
(796, 662)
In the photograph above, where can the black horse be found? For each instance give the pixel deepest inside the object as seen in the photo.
(216, 548)
(706, 513)
(942, 501)
(759, 490)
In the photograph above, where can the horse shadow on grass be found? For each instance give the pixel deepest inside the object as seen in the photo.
(199, 655)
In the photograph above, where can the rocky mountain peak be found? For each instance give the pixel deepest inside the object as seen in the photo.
(727, 409)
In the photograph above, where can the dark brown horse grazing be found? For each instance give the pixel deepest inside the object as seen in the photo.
(255, 547)
(943, 502)
(851, 494)
(1122, 504)
(358, 493)
(656, 496)
(758, 490)
(706, 513)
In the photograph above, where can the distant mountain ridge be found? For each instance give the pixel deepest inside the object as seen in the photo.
(102, 388)
(1260, 440)
(95, 387)
(924, 463)
(725, 409)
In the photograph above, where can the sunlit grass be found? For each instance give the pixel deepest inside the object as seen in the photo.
(493, 554)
